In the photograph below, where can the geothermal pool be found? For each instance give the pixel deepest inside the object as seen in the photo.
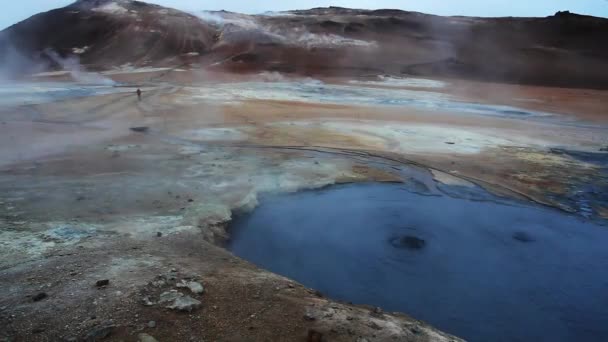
(482, 270)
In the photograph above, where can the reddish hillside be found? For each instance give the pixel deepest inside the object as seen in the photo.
(111, 32)
(561, 50)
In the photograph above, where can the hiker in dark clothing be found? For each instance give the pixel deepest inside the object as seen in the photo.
(139, 94)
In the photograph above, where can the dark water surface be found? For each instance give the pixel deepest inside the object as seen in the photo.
(480, 270)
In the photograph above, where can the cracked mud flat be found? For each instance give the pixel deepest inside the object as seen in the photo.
(84, 198)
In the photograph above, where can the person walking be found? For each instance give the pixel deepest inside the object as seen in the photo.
(139, 94)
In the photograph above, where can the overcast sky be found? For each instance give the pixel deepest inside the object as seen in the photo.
(15, 11)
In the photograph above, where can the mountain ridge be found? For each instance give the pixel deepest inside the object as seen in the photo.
(565, 49)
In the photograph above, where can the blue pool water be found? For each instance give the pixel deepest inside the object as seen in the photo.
(482, 270)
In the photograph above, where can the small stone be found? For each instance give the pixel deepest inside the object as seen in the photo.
(415, 330)
(102, 283)
(147, 302)
(152, 324)
(190, 200)
(146, 338)
(169, 296)
(40, 296)
(350, 318)
(309, 317)
(177, 301)
(99, 333)
(187, 304)
(314, 336)
(37, 330)
(374, 326)
(159, 234)
(377, 311)
(195, 287)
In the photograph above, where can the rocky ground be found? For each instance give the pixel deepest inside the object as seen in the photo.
(114, 211)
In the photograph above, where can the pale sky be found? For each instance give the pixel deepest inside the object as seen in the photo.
(15, 11)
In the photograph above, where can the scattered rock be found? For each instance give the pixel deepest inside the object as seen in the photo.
(314, 336)
(140, 129)
(38, 330)
(40, 296)
(159, 234)
(195, 287)
(152, 324)
(409, 242)
(309, 317)
(185, 303)
(374, 326)
(604, 149)
(146, 338)
(102, 283)
(416, 330)
(147, 302)
(377, 311)
(160, 281)
(169, 296)
(450, 142)
(99, 333)
(178, 301)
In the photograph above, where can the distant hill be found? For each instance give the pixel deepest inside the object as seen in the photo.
(562, 50)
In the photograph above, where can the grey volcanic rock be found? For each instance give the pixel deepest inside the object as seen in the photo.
(175, 300)
(193, 286)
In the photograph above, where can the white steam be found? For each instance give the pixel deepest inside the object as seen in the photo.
(76, 70)
(241, 27)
